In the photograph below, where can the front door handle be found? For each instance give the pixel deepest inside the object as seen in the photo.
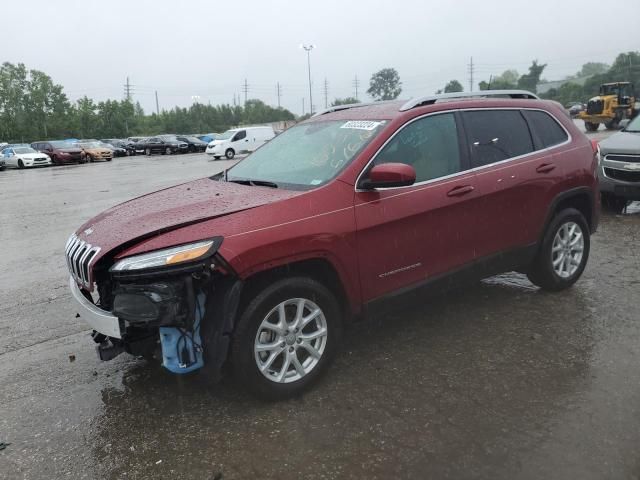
(545, 168)
(459, 191)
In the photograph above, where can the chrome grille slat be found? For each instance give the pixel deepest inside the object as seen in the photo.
(79, 256)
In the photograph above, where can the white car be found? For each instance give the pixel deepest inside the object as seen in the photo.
(22, 156)
(239, 140)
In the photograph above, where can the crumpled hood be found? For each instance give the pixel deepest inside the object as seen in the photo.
(621, 142)
(171, 208)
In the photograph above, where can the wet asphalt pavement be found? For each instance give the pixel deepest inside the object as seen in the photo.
(497, 380)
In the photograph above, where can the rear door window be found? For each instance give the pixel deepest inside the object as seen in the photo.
(546, 131)
(430, 145)
(496, 135)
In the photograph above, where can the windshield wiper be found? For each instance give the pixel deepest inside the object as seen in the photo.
(257, 183)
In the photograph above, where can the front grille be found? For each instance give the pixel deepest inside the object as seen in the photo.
(595, 107)
(79, 256)
(622, 175)
(40, 159)
(623, 158)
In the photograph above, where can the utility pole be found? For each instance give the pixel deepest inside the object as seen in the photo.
(356, 84)
(157, 104)
(128, 90)
(308, 49)
(326, 93)
(278, 92)
(471, 75)
(303, 106)
(245, 88)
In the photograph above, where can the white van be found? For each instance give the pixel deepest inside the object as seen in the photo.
(238, 140)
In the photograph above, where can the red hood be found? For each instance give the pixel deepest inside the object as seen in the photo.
(172, 208)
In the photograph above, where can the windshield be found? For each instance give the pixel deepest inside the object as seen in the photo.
(192, 139)
(90, 145)
(307, 155)
(226, 135)
(24, 150)
(634, 125)
(168, 138)
(62, 144)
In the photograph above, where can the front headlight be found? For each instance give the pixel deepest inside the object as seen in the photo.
(166, 257)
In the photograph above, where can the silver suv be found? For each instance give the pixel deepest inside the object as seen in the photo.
(619, 170)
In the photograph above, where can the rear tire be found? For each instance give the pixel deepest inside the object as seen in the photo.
(147, 151)
(591, 127)
(229, 154)
(564, 252)
(612, 125)
(296, 361)
(613, 203)
(168, 151)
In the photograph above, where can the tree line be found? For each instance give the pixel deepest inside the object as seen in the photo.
(33, 107)
(579, 87)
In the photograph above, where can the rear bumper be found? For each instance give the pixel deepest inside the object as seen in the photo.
(101, 321)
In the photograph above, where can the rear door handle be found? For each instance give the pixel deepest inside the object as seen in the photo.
(545, 168)
(459, 191)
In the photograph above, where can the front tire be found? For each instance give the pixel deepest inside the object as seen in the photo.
(20, 164)
(168, 151)
(229, 154)
(591, 127)
(147, 151)
(286, 338)
(563, 254)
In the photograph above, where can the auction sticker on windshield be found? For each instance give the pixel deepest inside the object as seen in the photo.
(361, 125)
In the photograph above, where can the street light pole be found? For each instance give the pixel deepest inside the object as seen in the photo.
(308, 49)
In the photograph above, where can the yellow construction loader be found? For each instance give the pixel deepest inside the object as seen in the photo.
(615, 102)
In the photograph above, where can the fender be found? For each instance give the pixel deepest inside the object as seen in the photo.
(349, 280)
(565, 195)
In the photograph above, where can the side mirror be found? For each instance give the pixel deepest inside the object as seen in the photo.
(624, 123)
(389, 175)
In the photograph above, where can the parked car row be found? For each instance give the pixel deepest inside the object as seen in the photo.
(60, 152)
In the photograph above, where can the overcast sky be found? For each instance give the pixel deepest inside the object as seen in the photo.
(207, 48)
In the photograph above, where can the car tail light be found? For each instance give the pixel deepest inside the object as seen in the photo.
(594, 146)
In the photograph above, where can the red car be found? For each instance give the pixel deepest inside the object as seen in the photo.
(262, 266)
(60, 151)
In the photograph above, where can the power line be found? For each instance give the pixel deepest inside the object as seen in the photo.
(278, 92)
(128, 90)
(356, 84)
(245, 88)
(326, 93)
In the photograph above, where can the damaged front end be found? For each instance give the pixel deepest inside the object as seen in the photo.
(177, 304)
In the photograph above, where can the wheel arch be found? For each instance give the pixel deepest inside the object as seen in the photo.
(582, 199)
(316, 266)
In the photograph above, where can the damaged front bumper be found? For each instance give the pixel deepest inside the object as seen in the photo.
(101, 321)
(175, 314)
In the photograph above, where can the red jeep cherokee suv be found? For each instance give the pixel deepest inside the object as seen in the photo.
(261, 266)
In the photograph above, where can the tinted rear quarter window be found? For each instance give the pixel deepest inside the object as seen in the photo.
(546, 130)
(496, 135)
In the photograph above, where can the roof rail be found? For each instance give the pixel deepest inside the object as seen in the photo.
(337, 108)
(431, 99)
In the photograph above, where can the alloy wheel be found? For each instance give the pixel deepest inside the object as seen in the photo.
(291, 340)
(567, 249)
